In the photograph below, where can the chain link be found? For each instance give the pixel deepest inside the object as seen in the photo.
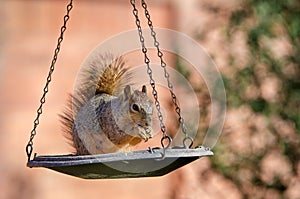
(149, 70)
(29, 147)
(166, 74)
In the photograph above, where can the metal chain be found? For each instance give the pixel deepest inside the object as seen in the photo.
(152, 81)
(167, 76)
(29, 147)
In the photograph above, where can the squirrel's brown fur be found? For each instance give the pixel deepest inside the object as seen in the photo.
(97, 118)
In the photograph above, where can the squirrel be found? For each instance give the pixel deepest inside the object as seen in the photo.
(102, 118)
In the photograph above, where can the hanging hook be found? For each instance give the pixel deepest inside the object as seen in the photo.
(29, 149)
(165, 137)
(188, 138)
(169, 141)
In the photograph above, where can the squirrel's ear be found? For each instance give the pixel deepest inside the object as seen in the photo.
(144, 89)
(128, 91)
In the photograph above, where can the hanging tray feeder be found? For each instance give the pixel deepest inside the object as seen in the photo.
(143, 163)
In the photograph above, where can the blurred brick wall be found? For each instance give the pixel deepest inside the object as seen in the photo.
(28, 34)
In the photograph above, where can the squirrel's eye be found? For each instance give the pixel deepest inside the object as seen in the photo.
(135, 107)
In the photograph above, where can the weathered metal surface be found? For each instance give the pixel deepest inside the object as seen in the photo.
(144, 163)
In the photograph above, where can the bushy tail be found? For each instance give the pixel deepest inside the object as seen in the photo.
(103, 75)
(107, 74)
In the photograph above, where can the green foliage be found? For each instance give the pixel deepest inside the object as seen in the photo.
(268, 15)
(263, 22)
(182, 69)
(258, 105)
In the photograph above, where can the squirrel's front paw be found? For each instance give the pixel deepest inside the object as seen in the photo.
(145, 133)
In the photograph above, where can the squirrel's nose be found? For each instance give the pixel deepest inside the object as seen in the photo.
(148, 122)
